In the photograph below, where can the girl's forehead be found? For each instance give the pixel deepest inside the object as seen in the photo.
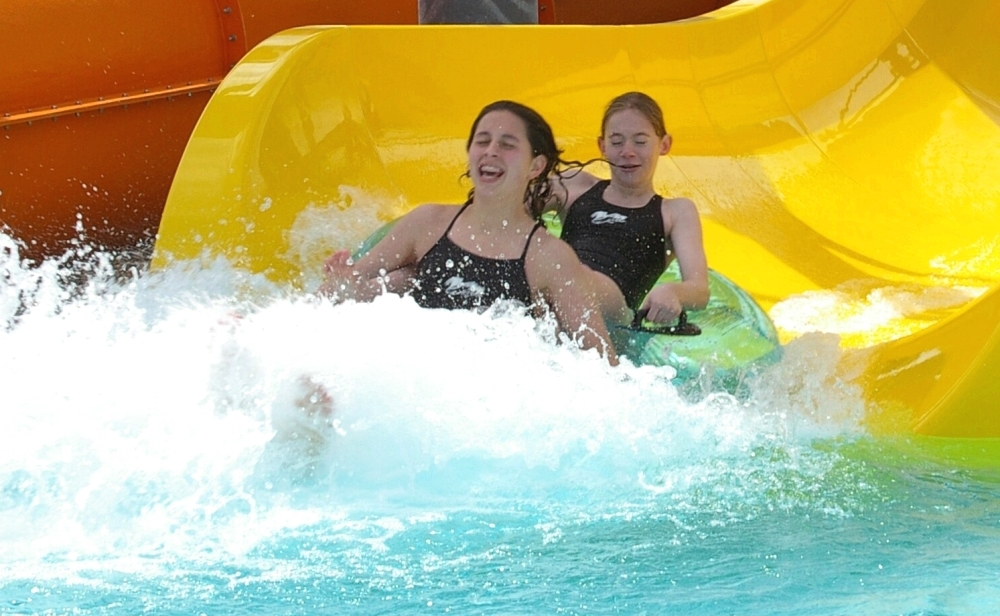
(629, 120)
(501, 121)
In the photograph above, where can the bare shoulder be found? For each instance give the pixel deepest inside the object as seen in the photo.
(679, 210)
(578, 178)
(550, 258)
(430, 212)
(414, 233)
(568, 186)
(680, 204)
(429, 217)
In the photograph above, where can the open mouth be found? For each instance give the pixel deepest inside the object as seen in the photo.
(489, 172)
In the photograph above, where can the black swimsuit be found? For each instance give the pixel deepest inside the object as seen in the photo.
(449, 276)
(626, 244)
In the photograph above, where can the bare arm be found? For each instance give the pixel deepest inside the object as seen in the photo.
(567, 188)
(558, 277)
(388, 264)
(665, 301)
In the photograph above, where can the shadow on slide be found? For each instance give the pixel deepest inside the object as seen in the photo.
(843, 151)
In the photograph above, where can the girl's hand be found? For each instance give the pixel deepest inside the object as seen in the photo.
(339, 277)
(663, 304)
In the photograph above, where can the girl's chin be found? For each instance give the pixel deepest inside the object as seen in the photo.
(628, 177)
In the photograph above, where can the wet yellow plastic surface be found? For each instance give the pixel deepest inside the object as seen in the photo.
(830, 146)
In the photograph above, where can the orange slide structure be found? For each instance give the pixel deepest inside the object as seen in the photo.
(99, 98)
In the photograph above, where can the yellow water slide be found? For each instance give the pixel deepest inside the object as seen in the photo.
(842, 150)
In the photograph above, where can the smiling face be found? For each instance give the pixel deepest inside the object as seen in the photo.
(631, 145)
(500, 155)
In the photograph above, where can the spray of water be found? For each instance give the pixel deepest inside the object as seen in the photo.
(199, 411)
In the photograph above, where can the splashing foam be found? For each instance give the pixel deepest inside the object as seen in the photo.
(864, 314)
(164, 414)
(321, 229)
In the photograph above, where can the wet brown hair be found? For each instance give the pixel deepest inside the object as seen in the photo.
(640, 102)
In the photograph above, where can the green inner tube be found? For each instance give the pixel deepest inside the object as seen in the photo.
(736, 339)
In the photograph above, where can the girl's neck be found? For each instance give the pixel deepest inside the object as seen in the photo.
(495, 228)
(492, 210)
(620, 194)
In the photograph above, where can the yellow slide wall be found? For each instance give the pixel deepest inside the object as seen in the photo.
(839, 147)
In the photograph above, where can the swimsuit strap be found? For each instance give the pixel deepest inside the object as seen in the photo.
(527, 244)
(452, 223)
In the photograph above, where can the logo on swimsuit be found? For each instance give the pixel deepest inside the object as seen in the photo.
(456, 286)
(601, 217)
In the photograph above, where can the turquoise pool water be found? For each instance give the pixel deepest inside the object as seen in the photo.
(472, 467)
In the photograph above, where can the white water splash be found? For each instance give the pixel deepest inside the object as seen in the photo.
(868, 308)
(140, 416)
(321, 229)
